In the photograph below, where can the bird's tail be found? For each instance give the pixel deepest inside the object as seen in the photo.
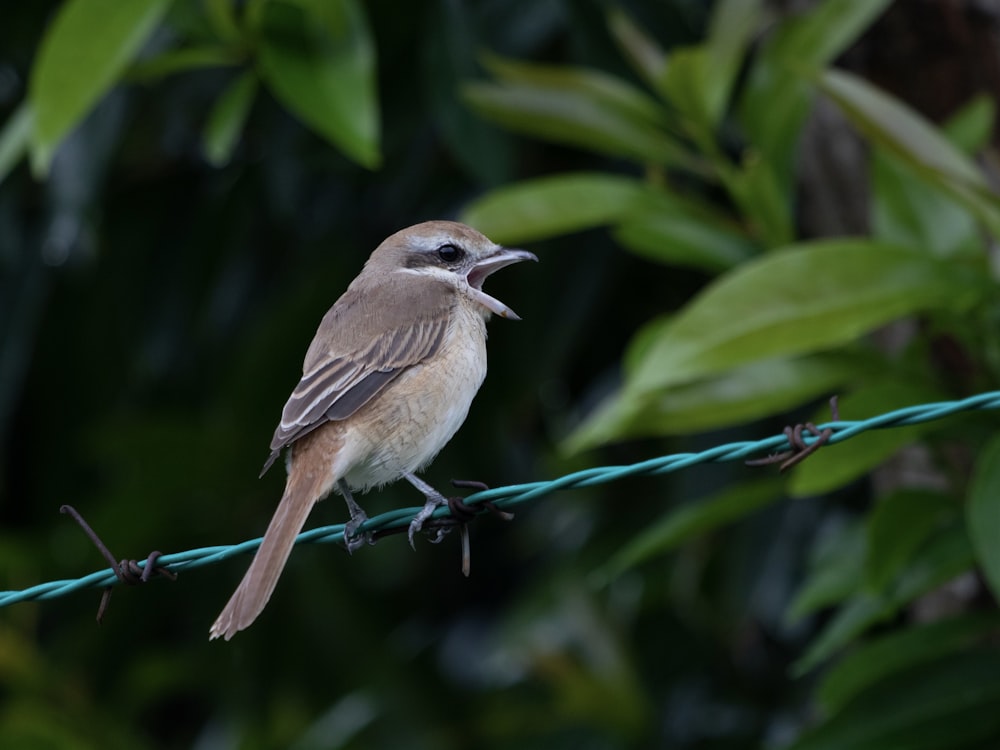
(302, 491)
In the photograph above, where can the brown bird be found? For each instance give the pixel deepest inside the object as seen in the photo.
(387, 381)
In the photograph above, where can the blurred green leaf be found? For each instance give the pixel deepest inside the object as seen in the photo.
(983, 512)
(880, 658)
(225, 123)
(690, 520)
(898, 526)
(579, 107)
(605, 90)
(839, 464)
(15, 138)
(733, 25)
(890, 123)
(317, 58)
(776, 99)
(835, 572)
(551, 206)
(747, 392)
(980, 200)
(220, 14)
(757, 190)
(85, 50)
(681, 84)
(818, 37)
(971, 127)
(798, 299)
(949, 703)
(561, 631)
(678, 234)
(909, 210)
(698, 80)
(644, 53)
(182, 60)
(947, 555)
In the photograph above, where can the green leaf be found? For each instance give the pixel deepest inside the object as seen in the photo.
(606, 90)
(698, 81)
(678, 236)
(919, 145)
(893, 125)
(578, 107)
(681, 84)
(798, 299)
(645, 55)
(777, 99)
(185, 59)
(733, 25)
(317, 58)
(947, 555)
(980, 200)
(691, 520)
(83, 53)
(835, 572)
(840, 464)
(972, 126)
(880, 658)
(743, 394)
(908, 209)
(898, 526)
(757, 190)
(222, 18)
(950, 703)
(225, 123)
(817, 38)
(553, 206)
(983, 513)
(15, 138)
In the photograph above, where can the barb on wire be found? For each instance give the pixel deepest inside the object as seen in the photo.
(460, 515)
(130, 572)
(504, 498)
(799, 450)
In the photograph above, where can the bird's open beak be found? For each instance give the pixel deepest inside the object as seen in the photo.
(502, 257)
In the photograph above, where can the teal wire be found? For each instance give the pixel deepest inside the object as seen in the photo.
(517, 494)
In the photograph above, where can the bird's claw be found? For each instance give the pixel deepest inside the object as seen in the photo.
(432, 504)
(354, 537)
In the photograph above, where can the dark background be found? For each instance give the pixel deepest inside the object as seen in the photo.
(154, 312)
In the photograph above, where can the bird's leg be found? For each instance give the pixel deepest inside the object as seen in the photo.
(434, 501)
(352, 540)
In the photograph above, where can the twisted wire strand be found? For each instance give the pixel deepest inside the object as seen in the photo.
(517, 494)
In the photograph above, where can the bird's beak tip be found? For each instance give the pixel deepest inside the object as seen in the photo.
(521, 254)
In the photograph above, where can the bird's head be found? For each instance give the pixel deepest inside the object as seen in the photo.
(453, 253)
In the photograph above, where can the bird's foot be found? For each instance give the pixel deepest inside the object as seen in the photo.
(434, 502)
(354, 537)
(461, 513)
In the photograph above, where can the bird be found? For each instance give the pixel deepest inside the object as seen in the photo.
(387, 381)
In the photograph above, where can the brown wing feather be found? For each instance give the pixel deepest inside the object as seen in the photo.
(347, 367)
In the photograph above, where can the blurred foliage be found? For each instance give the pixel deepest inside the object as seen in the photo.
(186, 187)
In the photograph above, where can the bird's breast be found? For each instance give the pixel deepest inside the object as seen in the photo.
(402, 429)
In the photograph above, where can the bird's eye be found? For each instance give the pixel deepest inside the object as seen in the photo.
(449, 253)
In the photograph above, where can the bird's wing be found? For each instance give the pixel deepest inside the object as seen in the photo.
(359, 349)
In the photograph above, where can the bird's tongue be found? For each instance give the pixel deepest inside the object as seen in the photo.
(484, 268)
(493, 304)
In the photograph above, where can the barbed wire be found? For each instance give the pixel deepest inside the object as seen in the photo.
(517, 494)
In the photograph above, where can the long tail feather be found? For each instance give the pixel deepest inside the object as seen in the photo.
(302, 491)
